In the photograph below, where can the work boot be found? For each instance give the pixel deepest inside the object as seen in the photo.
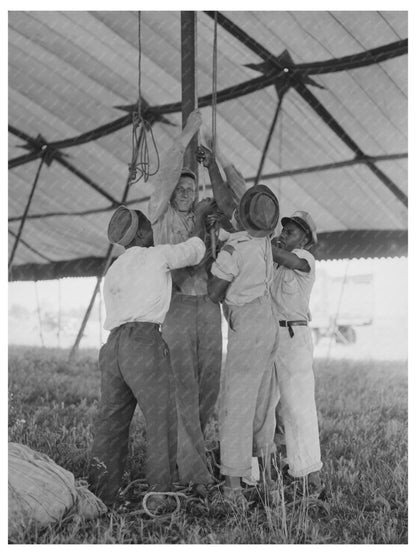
(235, 496)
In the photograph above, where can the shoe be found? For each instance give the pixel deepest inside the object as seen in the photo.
(159, 503)
(309, 485)
(200, 490)
(235, 496)
(269, 484)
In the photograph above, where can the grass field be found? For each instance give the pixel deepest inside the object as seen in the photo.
(363, 425)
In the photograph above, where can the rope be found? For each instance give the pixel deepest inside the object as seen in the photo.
(139, 37)
(214, 86)
(215, 228)
(142, 133)
(175, 495)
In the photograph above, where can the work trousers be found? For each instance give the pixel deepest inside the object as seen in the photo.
(192, 329)
(135, 368)
(297, 409)
(248, 388)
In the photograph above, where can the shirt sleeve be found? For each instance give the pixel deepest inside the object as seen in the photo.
(188, 253)
(165, 181)
(306, 255)
(226, 265)
(236, 182)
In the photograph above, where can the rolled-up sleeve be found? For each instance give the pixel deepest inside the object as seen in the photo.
(226, 265)
(306, 255)
(165, 181)
(188, 253)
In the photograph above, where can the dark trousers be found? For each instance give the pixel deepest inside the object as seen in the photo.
(192, 330)
(135, 368)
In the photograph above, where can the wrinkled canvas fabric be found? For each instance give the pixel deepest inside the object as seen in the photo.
(42, 492)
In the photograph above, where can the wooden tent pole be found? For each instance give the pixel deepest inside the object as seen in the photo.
(189, 92)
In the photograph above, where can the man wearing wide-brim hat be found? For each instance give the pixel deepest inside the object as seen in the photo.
(242, 277)
(134, 362)
(291, 289)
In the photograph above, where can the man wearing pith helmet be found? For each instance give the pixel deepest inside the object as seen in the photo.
(294, 277)
(241, 277)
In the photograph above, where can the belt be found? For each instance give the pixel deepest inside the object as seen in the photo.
(290, 323)
(144, 325)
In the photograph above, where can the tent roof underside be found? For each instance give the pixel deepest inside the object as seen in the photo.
(338, 150)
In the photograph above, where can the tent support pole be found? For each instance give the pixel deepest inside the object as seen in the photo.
(22, 223)
(90, 306)
(189, 92)
(106, 265)
(268, 140)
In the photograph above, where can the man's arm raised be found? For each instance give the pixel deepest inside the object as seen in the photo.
(169, 172)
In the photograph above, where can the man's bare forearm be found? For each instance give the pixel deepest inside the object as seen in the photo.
(289, 259)
(221, 190)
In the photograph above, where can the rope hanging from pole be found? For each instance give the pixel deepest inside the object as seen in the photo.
(215, 228)
(143, 141)
(214, 86)
(201, 170)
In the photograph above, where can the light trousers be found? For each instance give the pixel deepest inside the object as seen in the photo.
(296, 393)
(249, 387)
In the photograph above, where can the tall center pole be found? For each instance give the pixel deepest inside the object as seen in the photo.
(189, 88)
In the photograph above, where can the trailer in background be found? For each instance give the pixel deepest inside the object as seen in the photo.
(339, 304)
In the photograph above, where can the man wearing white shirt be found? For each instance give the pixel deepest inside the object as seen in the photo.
(294, 277)
(134, 363)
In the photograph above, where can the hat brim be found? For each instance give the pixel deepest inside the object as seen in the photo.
(115, 234)
(304, 226)
(243, 212)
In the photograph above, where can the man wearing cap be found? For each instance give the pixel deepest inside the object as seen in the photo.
(134, 362)
(192, 327)
(241, 277)
(294, 277)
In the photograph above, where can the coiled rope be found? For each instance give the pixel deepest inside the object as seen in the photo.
(142, 133)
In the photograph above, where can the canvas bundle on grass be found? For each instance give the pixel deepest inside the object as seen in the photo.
(41, 493)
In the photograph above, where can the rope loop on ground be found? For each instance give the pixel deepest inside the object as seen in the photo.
(175, 495)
